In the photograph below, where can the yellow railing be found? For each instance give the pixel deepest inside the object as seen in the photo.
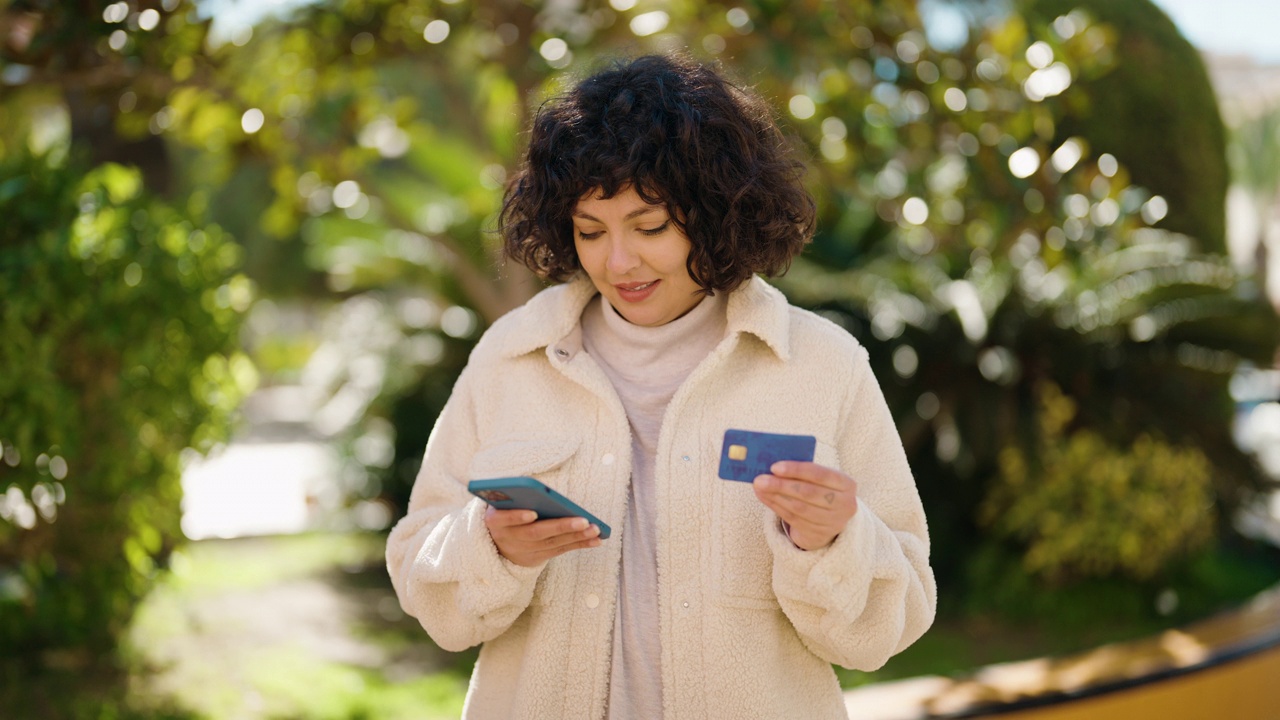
(1223, 668)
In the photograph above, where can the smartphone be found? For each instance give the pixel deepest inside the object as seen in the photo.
(526, 493)
(746, 454)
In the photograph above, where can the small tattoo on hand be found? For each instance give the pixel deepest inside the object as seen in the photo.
(831, 498)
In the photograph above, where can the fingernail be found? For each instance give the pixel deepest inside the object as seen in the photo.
(579, 524)
(778, 468)
(530, 516)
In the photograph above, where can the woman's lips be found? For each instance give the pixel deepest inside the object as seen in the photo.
(636, 292)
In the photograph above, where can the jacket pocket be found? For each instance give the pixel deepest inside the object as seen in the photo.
(521, 456)
(743, 562)
(547, 459)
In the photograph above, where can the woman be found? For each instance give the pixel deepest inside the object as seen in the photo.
(657, 191)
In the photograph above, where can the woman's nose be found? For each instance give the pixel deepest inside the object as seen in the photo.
(622, 258)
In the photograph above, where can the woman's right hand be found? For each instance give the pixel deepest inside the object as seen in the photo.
(525, 540)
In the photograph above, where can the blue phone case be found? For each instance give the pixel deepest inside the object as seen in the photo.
(746, 454)
(526, 493)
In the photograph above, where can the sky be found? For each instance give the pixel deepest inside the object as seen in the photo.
(1231, 27)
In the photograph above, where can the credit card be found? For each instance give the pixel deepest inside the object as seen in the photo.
(746, 454)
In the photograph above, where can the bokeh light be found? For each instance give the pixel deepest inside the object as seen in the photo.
(115, 12)
(436, 31)
(915, 211)
(1154, 210)
(802, 107)
(1067, 155)
(1047, 82)
(649, 23)
(252, 120)
(1024, 162)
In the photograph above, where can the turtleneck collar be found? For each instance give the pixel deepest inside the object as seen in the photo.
(638, 351)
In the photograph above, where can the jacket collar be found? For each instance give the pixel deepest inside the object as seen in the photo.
(550, 318)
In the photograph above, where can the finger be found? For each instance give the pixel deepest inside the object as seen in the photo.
(543, 530)
(544, 535)
(811, 472)
(781, 506)
(525, 551)
(782, 511)
(804, 518)
(495, 518)
(554, 534)
(541, 556)
(580, 545)
(800, 513)
(821, 497)
(525, 524)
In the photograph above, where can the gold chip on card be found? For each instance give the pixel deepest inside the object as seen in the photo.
(737, 452)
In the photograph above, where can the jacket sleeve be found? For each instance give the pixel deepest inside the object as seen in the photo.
(871, 593)
(444, 566)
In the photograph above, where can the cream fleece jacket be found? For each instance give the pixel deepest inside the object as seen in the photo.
(749, 623)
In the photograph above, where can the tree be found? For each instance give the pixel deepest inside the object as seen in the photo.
(120, 322)
(977, 243)
(1155, 110)
(120, 319)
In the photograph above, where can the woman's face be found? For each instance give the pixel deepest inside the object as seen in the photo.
(635, 255)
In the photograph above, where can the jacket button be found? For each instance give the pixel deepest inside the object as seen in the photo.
(607, 459)
(593, 601)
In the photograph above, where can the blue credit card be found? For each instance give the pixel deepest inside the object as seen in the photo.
(746, 454)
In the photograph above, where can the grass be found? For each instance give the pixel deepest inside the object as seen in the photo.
(260, 628)
(292, 627)
(308, 627)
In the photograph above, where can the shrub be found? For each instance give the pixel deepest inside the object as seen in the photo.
(1086, 507)
(119, 321)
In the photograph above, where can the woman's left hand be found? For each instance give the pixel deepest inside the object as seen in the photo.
(815, 501)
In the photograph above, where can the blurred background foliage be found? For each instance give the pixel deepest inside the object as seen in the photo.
(1022, 221)
(1155, 109)
(1144, 506)
(120, 320)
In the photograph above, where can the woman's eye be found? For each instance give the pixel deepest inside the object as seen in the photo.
(657, 230)
(589, 235)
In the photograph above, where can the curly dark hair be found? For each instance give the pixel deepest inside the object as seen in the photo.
(684, 137)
